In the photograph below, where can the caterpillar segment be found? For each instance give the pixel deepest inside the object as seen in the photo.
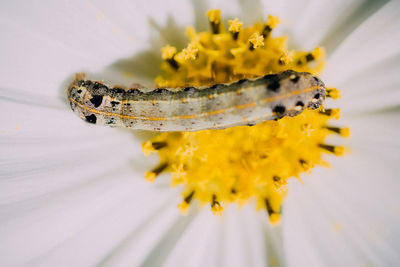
(218, 106)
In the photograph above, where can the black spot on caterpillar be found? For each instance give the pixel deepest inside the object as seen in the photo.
(218, 106)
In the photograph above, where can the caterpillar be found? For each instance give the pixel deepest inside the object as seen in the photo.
(243, 102)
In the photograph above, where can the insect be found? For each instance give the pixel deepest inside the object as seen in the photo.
(243, 102)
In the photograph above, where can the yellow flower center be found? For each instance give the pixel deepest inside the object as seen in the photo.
(241, 164)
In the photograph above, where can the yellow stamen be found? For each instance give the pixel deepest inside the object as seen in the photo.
(235, 25)
(333, 93)
(272, 21)
(190, 52)
(256, 40)
(274, 219)
(286, 58)
(339, 150)
(345, 132)
(318, 53)
(217, 209)
(168, 52)
(150, 176)
(183, 207)
(147, 148)
(335, 113)
(214, 15)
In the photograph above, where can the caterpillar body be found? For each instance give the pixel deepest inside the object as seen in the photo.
(243, 102)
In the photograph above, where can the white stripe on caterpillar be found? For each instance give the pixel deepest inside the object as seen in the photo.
(244, 102)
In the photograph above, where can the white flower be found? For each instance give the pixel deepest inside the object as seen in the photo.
(72, 194)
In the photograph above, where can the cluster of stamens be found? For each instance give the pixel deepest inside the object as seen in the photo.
(240, 164)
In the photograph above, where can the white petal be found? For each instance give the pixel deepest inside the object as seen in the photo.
(365, 66)
(311, 23)
(198, 245)
(55, 225)
(45, 43)
(238, 238)
(59, 175)
(352, 207)
(39, 144)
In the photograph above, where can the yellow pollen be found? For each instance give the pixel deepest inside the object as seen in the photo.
(242, 164)
(272, 21)
(286, 58)
(235, 25)
(147, 148)
(256, 40)
(335, 113)
(183, 207)
(333, 93)
(345, 132)
(150, 176)
(339, 150)
(280, 184)
(190, 52)
(318, 52)
(214, 15)
(168, 52)
(217, 209)
(274, 219)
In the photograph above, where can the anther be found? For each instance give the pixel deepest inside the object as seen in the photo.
(158, 145)
(285, 59)
(309, 57)
(307, 167)
(271, 24)
(149, 147)
(168, 54)
(151, 175)
(345, 132)
(215, 206)
(337, 150)
(190, 52)
(234, 27)
(173, 63)
(256, 40)
(279, 183)
(189, 197)
(268, 207)
(274, 217)
(266, 31)
(317, 53)
(214, 16)
(333, 93)
(335, 113)
(184, 205)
